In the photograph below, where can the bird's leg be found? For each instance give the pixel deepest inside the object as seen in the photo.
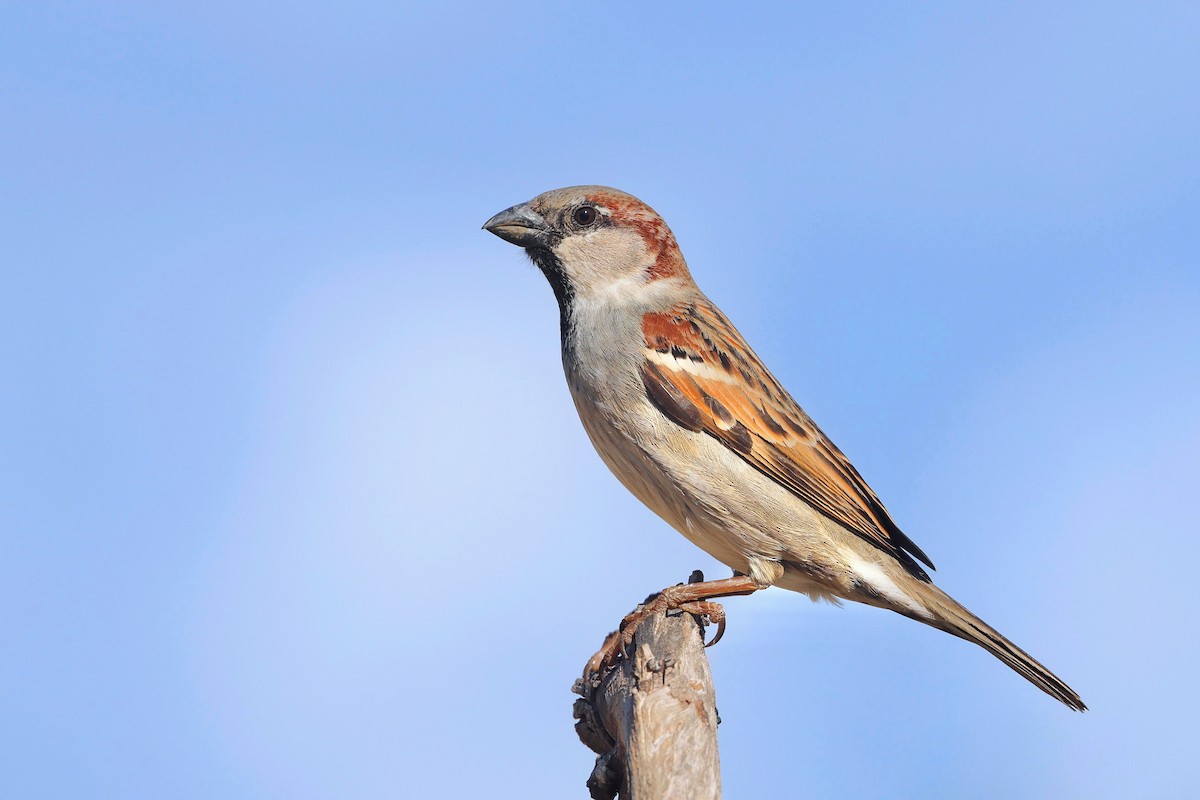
(691, 597)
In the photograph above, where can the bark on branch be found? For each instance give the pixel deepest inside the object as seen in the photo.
(652, 718)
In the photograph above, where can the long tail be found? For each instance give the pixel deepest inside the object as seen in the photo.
(950, 616)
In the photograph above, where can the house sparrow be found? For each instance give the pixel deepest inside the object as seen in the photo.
(695, 426)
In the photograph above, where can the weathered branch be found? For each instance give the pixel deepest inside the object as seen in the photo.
(653, 717)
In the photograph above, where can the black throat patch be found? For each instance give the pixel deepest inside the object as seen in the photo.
(564, 293)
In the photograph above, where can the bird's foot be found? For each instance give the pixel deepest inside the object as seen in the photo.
(616, 642)
(687, 597)
(712, 613)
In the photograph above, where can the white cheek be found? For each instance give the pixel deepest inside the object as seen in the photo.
(599, 261)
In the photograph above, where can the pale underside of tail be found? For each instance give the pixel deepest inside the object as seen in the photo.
(873, 583)
(947, 614)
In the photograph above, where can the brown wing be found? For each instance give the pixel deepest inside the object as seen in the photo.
(700, 372)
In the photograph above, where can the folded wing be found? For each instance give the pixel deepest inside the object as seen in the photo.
(699, 371)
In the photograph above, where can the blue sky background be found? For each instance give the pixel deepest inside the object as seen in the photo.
(293, 500)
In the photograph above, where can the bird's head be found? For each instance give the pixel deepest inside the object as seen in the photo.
(591, 240)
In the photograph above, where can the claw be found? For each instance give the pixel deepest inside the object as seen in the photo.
(720, 631)
(606, 656)
(713, 612)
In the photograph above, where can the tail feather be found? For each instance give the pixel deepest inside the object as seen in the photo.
(952, 617)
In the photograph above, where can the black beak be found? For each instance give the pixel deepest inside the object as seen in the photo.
(520, 225)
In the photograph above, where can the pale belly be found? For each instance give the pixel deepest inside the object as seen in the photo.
(703, 490)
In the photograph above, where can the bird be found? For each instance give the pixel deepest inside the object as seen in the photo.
(691, 422)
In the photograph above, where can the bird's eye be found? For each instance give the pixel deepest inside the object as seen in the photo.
(584, 215)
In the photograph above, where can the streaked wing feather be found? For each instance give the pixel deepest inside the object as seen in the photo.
(700, 373)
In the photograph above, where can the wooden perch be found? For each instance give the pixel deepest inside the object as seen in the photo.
(652, 717)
